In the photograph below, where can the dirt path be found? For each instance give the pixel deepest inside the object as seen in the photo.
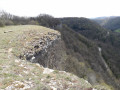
(104, 62)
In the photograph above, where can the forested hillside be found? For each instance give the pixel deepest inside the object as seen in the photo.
(102, 37)
(111, 23)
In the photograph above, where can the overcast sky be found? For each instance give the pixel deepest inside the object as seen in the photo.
(62, 8)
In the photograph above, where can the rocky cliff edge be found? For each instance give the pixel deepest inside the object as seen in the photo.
(21, 44)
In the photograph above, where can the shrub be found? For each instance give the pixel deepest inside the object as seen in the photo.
(8, 22)
(32, 22)
(1, 24)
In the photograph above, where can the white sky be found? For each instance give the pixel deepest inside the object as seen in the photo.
(62, 8)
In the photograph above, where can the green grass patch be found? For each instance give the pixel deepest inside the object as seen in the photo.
(118, 30)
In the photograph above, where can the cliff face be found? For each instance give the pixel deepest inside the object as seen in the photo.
(37, 44)
(83, 59)
(48, 51)
(44, 46)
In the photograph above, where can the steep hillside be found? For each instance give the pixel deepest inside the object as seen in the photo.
(82, 47)
(86, 27)
(111, 23)
(107, 40)
(45, 46)
(103, 20)
(16, 73)
(92, 30)
(87, 52)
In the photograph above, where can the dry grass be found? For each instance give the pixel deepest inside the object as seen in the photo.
(15, 72)
(15, 37)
